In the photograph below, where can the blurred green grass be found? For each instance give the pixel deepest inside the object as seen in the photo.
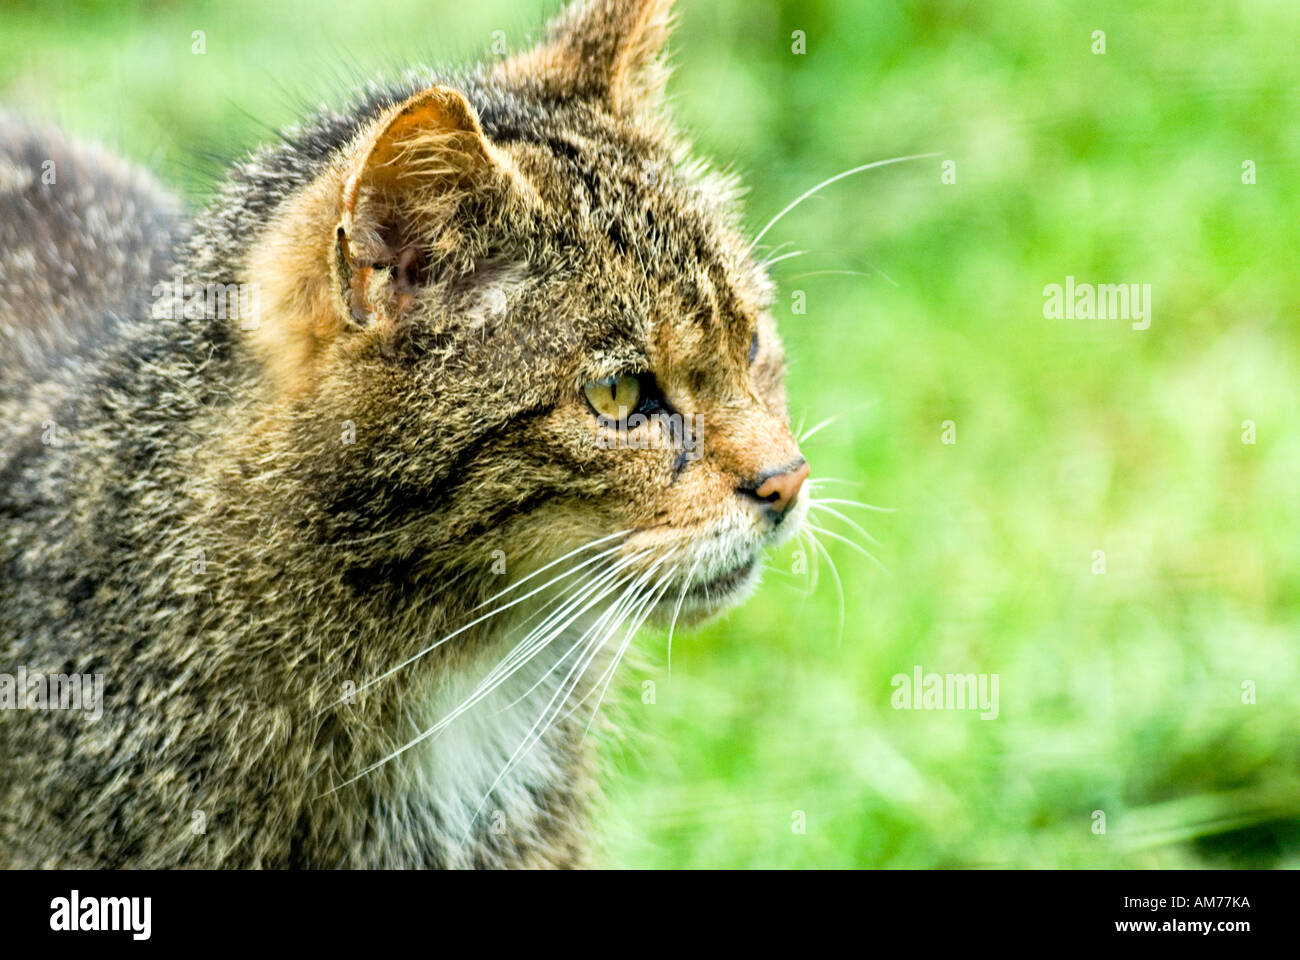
(1119, 692)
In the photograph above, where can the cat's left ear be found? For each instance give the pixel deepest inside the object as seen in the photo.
(608, 51)
(354, 250)
(402, 188)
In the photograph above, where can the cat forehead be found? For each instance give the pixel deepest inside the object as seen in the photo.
(624, 206)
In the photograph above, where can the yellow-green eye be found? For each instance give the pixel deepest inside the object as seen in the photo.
(614, 397)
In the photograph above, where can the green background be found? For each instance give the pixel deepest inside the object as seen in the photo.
(1120, 692)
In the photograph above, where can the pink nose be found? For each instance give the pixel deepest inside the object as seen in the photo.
(781, 490)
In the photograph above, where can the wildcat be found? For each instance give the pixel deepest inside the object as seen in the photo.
(355, 488)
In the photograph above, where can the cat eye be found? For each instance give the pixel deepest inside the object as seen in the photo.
(613, 398)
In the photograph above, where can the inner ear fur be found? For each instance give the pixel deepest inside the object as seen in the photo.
(403, 180)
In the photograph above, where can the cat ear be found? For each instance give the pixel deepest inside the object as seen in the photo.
(435, 135)
(403, 180)
(353, 249)
(605, 50)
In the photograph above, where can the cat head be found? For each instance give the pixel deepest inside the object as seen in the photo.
(506, 319)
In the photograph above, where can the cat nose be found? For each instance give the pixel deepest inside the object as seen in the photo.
(779, 489)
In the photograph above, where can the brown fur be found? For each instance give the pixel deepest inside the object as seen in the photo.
(441, 269)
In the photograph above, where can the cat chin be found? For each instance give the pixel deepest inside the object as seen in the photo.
(707, 599)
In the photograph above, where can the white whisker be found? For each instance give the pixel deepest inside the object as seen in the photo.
(555, 632)
(550, 711)
(540, 570)
(482, 690)
(487, 616)
(686, 586)
(814, 561)
(821, 505)
(866, 553)
(772, 253)
(635, 605)
(839, 586)
(847, 273)
(813, 429)
(592, 592)
(857, 503)
(826, 183)
(801, 437)
(639, 618)
(785, 256)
